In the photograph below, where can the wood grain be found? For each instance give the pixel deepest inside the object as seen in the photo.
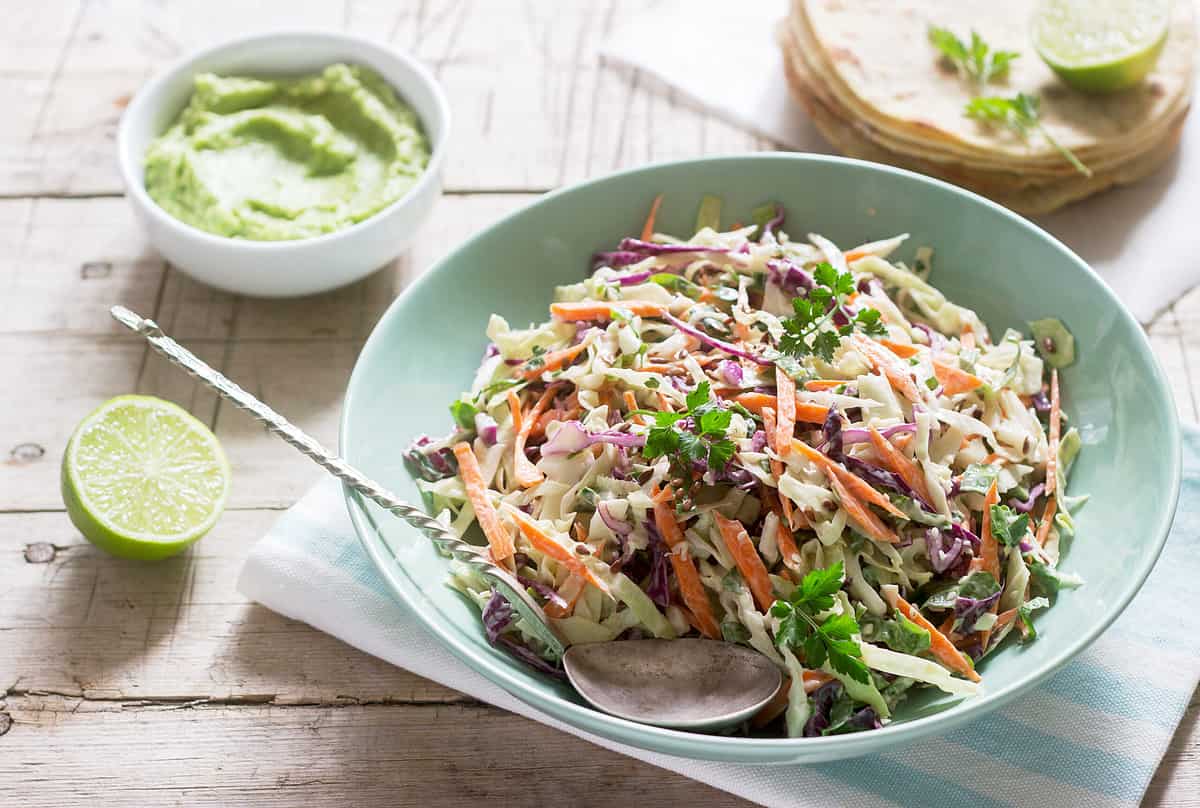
(137, 684)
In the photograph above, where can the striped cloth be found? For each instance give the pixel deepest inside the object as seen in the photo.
(1091, 736)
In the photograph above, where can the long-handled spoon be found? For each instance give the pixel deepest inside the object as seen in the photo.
(684, 683)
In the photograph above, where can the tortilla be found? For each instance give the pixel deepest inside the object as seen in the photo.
(873, 55)
(1010, 189)
(877, 90)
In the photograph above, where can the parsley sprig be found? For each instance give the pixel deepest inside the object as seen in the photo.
(830, 638)
(976, 60)
(805, 333)
(697, 434)
(1022, 114)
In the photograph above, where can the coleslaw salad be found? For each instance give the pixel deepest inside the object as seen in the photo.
(780, 443)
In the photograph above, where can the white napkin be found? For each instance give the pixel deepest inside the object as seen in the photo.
(1091, 736)
(1142, 239)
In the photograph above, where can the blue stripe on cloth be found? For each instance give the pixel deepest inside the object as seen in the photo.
(903, 785)
(1024, 747)
(1101, 689)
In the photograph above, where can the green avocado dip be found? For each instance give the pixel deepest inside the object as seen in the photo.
(271, 160)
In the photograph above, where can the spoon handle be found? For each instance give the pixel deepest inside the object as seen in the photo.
(443, 538)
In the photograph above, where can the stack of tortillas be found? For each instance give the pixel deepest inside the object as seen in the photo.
(877, 90)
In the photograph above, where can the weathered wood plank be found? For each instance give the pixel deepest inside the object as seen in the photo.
(77, 622)
(533, 107)
(61, 753)
(64, 355)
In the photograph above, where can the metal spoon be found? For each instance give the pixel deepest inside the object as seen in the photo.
(684, 683)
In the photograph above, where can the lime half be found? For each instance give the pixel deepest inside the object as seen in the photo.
(143, 479)
(1101, 46)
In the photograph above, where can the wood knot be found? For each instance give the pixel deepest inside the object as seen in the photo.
(6, 723)
(39, 553)
(24, 453)
(95, 269)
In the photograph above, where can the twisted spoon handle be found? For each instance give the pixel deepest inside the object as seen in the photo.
(505, 582)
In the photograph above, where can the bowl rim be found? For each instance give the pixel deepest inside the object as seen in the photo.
(717, 747)
(135, 187)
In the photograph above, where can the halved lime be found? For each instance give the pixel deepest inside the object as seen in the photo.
(143, 479)
(1101, 46)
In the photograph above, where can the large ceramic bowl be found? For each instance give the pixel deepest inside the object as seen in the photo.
(425, 349)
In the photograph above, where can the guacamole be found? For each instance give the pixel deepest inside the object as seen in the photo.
(271, 160)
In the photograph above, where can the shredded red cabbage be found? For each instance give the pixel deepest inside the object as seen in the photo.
(731, 372)
(571, 437)
(633, 278)
(968, 610)
(823, 700)
(636, 245)
(716, 343)
(497, 615)
(616, 258)
(546, 591)
(618, 526)
(943, 550)
(658, 588)
(863, 435)
(790, 278)
(1027, 505)
(487, 428)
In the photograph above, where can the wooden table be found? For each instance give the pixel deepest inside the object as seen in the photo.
(136, 684)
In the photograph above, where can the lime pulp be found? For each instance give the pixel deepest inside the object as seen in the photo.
(1101, 45)
(143, 479)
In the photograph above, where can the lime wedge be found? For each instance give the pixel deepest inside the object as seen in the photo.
(143, 479)
(1101, 46)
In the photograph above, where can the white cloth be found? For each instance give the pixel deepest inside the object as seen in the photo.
(1142, 239)
(1092, 736)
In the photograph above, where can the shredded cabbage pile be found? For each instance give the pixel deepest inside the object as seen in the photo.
(638, 472)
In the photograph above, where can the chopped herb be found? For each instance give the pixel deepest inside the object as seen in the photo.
(977, 61)
(1021, 113)
(829, 638)
(1009, 526)
(464, 413)
(1025, 612)
(697, 434)
(805, 333)
(977, 479)
(652, 383)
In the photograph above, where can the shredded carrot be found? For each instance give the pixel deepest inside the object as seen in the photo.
(859, 487)
(787, 546)
(901, 442)
(768, 415)
(514, 408)
(631, 405)
(885, 362)
(967, 338)
(664, 404)
(818, 385)
(989, 552)
(785, 426)
(545, 543)
(690, 587)
(664, 369)
(1055, 435)
(648, 227)
(527, 474)
(854, 255)
(749, 563)
(939, 646)
(870, 524)
(587, 310)
(900, 349)
(574, 586)
(1043, 533)
(499, 540)
(555, 360)
(805, 412)
(1003, 619)
(954, 380)
(899, 463)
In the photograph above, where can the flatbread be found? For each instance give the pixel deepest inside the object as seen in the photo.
(1006, 188)
(874, 58)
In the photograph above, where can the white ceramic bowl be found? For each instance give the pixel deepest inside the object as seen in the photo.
(283, 268)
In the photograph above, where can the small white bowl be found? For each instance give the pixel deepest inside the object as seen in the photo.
(302, 266)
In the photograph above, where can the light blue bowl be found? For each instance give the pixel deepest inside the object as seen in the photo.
(425, 349)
